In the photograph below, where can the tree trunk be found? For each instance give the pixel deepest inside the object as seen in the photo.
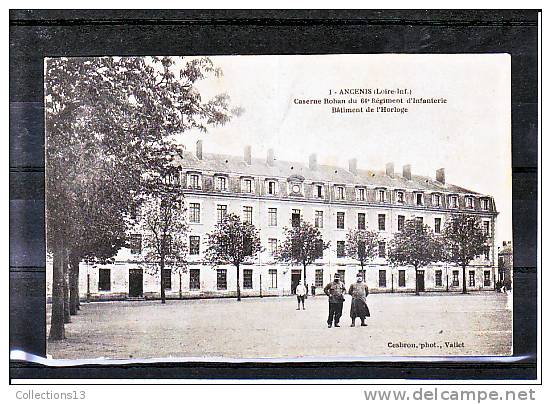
(73, 284)
(464, 280)
(238, 287)
(416, 282)
(57, 327)
(66, 303)
(163, 299)
(180, 272)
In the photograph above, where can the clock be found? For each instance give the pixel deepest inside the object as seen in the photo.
(296, 188)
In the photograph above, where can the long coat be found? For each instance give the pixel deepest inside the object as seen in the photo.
(358, 307)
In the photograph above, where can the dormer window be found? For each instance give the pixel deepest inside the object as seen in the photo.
(400, 196)
(436, 200)
(469, 202)
(194, 180)
(318, 191)
(360, 194)
(339, 192)
(453, 201)
(221, 183)
(381, 195)
(419, 199)
(271, 187)
(485, 204)
(247, 185)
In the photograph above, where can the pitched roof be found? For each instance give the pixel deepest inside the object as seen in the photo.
(221, 163)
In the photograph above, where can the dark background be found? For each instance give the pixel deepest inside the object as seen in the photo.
(48, 33)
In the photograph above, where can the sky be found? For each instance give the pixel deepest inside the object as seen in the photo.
(469, 135)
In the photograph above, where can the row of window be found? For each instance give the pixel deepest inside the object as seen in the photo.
(104, 280)
(272, 188)
(222, 210)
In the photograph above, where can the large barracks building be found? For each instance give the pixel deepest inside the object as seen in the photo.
(274, 194)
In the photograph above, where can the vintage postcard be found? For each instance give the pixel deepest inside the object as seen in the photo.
(321, 207)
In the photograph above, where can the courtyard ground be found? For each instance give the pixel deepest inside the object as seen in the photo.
(271, 327)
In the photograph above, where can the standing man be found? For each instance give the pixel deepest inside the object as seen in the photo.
(301, 293)
(335, 290)
(358, 307)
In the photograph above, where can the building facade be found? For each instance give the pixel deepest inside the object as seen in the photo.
(505, 265)
(274, 194)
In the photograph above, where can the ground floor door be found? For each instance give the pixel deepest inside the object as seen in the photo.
(420, 280)
(296, 275)
(135, 283)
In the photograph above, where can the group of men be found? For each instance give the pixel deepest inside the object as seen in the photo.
(335, 291)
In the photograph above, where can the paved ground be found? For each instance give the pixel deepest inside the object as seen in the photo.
(479, 324)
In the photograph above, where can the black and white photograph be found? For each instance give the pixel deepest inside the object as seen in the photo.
(269, 207)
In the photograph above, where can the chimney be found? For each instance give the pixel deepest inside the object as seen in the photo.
(390, 169)
(441, 175)
(353, 166)
(247, 155)
(199, 150)
(270, 157)
(313, 162)
(406, 172)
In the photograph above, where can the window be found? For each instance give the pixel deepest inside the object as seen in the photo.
(486, 228)
(400, 196)
(419, 199)
(453, 201)
(487, 281)
(272, 216)
(135, 243)
(360, 194)
(104, 282)
(273, 278)
(221, 212)
(318, 191)
(221, 183)
(247, 279)
(194, 242)
(194, 279)
(361, 221)
(272, 190)
(469, 202)
(272, 246)
(455, 278)
(247, 185)
(194, 213)
(319, 248)
(340, 249)
(382, 222)
(438, 278)
(168, 244)
(471, 278)
(436, 199)
(341, 273)
(194, 181)
(437, 224)
(419, 221)
(319, 278)
(167, 279)
(382, 249)
(485, 204)
(340, 220)
(401, 278)
(381, 195)
(487, 253)
(318, 219)
(295, 218)
(221, 279)
(248, 214)
(401, 220)
(382, 278)
(339, 192)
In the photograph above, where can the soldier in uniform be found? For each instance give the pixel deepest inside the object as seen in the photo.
(335, 290)
(358, 307)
